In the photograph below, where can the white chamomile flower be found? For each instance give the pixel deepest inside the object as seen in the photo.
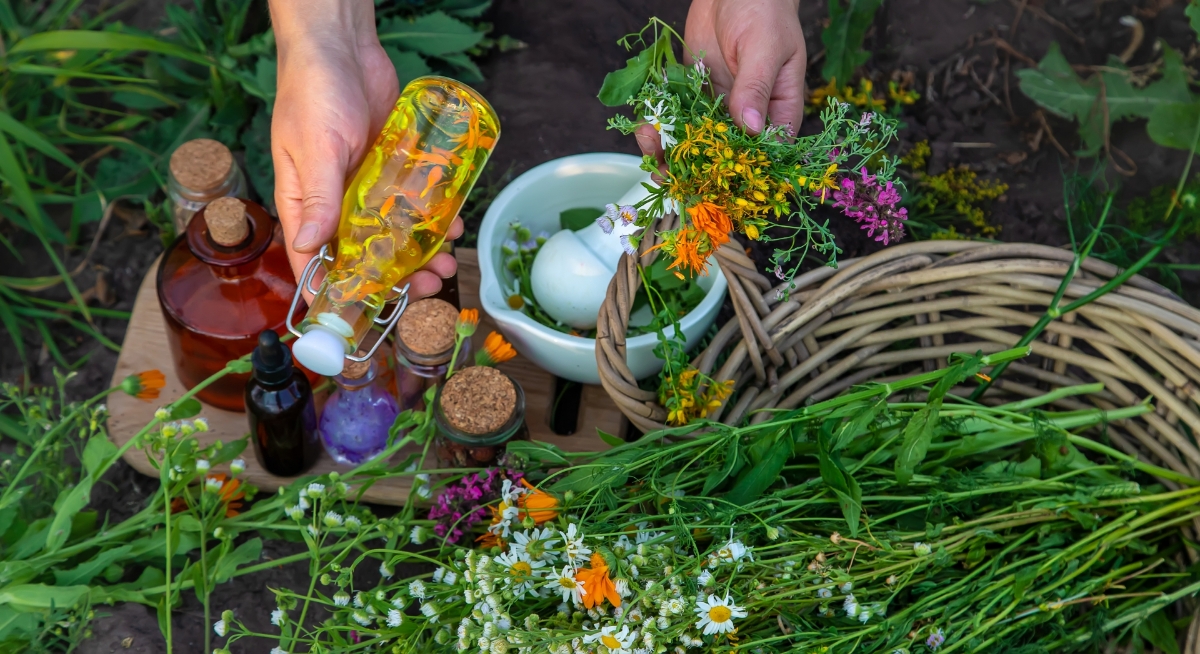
(733, 552)
(314, 490)
(361, 618)
(847, 587)
(278, 617)
(716, 615)
(303, 503)
(430, 610)
(341, 598)
(277, 650)
(922, 549)
(202, 465)
(417, 589)
(864, 614)
(333, 519)
(824, 593)
(519, 572)
(575, 551)
(674, 606)
(422, 486)
(312, 531)
(395, 618)
(617, 642)
(353, 523)
(537, 544)
(704, 579)
(662, 124)
(212, 485)
(850, 605)
(219, 628)
(296, 513)
(386, 571)
(565, 584)
(609, 219)
(418, 535)
(237, 467)
(359, 600)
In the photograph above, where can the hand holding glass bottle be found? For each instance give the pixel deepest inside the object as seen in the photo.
(397, 211)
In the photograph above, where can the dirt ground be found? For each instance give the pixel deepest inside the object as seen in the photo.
(545, 95)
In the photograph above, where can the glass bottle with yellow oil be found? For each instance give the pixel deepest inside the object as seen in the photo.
(395, 214)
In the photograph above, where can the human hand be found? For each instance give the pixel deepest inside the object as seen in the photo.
(335, 88)
(754, 50)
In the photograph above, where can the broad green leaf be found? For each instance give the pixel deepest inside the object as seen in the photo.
(431, 34)
(756, 480)
(577, 219)
(70, 502)
(247, 552)
(42, 596)
(14, 622)
(1173, 124)
(93, 40)
(716, 477)
(608, 470)
(835, 475)
(609, 439)
(858, 425)
(88, 570)
(848, 23)
(620, 85)
(465, 68)
(1193, 14)
(539, 452)
(97, 454)
(185, 409)
(1160, 632)
(409, 65)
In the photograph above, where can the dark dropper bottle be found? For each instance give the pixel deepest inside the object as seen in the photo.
(279, 403)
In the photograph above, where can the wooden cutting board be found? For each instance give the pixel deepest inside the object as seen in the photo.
(146, 348)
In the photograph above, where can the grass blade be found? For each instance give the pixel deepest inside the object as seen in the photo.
(93, 40)
(32, 139)
(38, 69)
(13, 325)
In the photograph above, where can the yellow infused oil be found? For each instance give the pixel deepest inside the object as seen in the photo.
(400, 203)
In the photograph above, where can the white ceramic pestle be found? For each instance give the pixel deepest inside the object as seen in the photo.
(572, 269)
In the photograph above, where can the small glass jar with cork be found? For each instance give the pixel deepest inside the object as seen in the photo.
(201, 171)
(424, 345)
(358, 415)
(477, 412)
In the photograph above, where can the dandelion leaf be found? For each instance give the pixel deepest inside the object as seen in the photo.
(430, 34)
(848, 23)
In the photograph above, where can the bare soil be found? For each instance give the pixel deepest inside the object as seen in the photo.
(545, 95)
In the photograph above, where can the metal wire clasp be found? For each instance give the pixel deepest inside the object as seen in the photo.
(305, 282)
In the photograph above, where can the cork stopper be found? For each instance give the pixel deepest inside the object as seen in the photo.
(427, 326)
(227, 221)
(201, 164)
(478, 400)
(356, 369)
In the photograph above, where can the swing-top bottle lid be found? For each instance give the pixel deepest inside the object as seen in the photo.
(321, 351)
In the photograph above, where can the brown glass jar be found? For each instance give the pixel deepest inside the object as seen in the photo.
(477, 412)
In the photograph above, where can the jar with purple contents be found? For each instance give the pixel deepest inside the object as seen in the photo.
(358, 415)
(424, 345)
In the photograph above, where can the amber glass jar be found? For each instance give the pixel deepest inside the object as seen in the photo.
(477, 412)
(216, 299)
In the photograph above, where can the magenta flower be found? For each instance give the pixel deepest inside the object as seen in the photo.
(873, 205)
(463, 504)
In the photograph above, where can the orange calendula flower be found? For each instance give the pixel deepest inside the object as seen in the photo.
(144, 385)
(597, 585)
(495, 351)
(689, 252)
(537, 504)
(710, 219)
(468, 320)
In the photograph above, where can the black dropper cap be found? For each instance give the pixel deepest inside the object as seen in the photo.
(272, 360)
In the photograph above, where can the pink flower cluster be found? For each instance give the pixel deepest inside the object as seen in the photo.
(464, 503)
(873, 205)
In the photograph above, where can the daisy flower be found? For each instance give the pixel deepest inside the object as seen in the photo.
(661, 124)
(417, 589)
(609, 219)
(278, 617)
(565, 584)
(341, 598)
(394, 618)
(716, 615)
(520, 572)
(536, 544)
(617, 642)
(575, 551)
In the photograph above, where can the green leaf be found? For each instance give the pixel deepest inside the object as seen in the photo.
(430, 34)
(716, 477)
(88, 570)
(32, 139)
(93, 40)
(42, 596)
(1193, 14)
(577, 219)
(539, 452)
(1173, 124)
(464, 67)
(185, 409)
(69, 503)
(918, 433)
(239, 366)
(98, 453)
(1160, 632)
(620, 85)
(609, 439)
(409, 65)
(848, 23)
(247, 552)
(606, 471)
(14, 622)
(835, 475)
(1055, 86)
(757, 479)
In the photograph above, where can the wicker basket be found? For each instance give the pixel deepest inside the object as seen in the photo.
(837, 327)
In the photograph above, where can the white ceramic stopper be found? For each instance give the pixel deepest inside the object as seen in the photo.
(321, 351)
(572, 269)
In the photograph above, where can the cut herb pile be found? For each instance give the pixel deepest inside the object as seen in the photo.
(863, 523)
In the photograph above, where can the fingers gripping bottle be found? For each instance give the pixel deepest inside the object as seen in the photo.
(395, 214)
